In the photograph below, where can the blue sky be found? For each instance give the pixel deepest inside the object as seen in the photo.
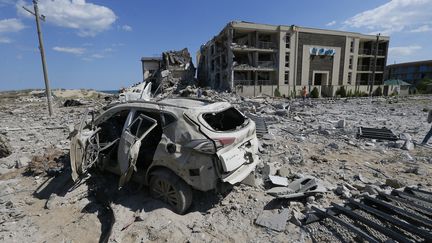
(98, 44)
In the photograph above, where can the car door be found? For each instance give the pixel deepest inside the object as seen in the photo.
(130, 143)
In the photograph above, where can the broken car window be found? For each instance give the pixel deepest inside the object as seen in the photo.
(226, 120)
(140, 126)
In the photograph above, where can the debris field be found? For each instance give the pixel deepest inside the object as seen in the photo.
(313, 157)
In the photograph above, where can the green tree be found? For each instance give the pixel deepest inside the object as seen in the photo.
(314, 93)
(422, 86)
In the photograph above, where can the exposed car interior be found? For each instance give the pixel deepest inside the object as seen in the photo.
(111, 130)
(229, 119)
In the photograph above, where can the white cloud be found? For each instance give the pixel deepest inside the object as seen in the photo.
(423, 28)
(6, 2)
(5, 40)
(71, 50)
(403, 50)
(98, 56)
(126, 27)
(88, 18)
(331, 23)
(394, 16)
(11, 25)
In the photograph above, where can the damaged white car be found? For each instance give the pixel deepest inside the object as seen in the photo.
(173, 146)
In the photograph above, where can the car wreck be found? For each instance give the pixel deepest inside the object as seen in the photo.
(173, 146)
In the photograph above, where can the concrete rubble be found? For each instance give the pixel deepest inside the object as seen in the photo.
(176, 72)
(313, 142)
(5, 147)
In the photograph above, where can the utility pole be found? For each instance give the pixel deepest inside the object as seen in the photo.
(42, 51)
(374, 64)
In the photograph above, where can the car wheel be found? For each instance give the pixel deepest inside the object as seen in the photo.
(171, 189)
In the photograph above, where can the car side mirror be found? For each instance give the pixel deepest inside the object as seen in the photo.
(171, 148)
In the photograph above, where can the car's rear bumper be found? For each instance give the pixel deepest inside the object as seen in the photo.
(242, 172)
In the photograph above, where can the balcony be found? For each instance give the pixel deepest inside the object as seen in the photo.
(243, 82)
(266, 82)
(266, 64)
(365, 51)
(265, 45)
(252, 82)
(370, 68)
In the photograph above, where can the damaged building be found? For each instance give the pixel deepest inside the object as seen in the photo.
(253, 59)
(172, 69)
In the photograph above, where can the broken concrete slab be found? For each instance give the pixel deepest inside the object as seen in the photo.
(278, 180)
(341, 124)
(408, 145)
(395, 183)
(299, 188)
(274, 221)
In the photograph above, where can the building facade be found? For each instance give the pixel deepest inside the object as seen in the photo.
(411, 72)
(253, 59)
(150, 65)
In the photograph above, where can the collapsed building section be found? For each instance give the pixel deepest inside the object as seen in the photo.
(173, 69)
(253, 59)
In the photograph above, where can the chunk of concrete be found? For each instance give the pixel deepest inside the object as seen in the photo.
(276, 221)
(22, 162)
(395, 183)
(278, 180)
(5, 147)
(341, 124)
(408, 145)
(302, 187)
(296, 118)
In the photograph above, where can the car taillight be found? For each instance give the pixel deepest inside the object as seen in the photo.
(205, 146)
(222, 142)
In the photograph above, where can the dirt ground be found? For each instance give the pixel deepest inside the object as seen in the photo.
(39, 203)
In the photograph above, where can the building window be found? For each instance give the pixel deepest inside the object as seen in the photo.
(352, 46)
(287, 60)
(349, 78)
(286, 77)
(351, 63)
(287, 41)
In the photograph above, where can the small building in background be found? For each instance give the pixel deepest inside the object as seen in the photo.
(253, 59)
(173, 69)
(411, 72)
(150, 65)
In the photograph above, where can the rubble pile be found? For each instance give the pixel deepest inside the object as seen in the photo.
(5, 148)
(176, 72)
(310, 155)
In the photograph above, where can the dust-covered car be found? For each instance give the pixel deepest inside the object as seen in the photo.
(173, 146)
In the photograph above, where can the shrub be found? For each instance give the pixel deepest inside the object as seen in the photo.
(422, 86)
(342, 92)
(377, 92)
(277, 93)
(314, 93)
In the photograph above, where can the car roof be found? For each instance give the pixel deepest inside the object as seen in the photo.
(186, 103)
(182, 103)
